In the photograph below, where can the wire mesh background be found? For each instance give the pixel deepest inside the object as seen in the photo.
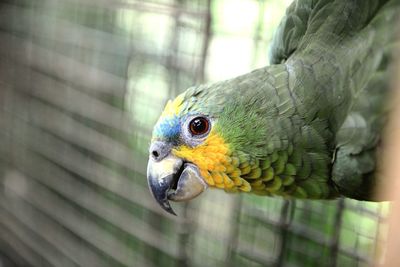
(81, 85)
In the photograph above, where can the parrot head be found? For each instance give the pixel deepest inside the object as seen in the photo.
(207, 137)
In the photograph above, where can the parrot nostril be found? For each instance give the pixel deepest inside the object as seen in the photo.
(159, 150)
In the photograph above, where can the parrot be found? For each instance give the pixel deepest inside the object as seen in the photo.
(308, 125)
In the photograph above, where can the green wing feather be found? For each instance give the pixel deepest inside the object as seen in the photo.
(311, 123)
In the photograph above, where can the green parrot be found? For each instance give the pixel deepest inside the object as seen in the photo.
(306, 126)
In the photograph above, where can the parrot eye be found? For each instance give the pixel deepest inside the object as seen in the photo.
(199, 126)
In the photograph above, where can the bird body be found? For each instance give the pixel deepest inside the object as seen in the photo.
(307, 126)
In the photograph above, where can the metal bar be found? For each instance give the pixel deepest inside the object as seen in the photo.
(257, 33)
(50, 232)
(355, 256)
(69, 99)
(60, 124)
(72, 189)
(85, 167)
(59, 66)
(233, 237)
(283, 229)
(16, 249)
(206, 42)
(256, 256)
(49, 253)
(336, 232)
(295, 228)
(148, 6)
(379, 244)
(363, 210)
(52, 205)
(76, 162)
(183, 238)
(70, 34)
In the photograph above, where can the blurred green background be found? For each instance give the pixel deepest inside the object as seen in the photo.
(81, 85)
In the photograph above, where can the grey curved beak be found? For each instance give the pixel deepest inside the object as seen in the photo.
(160, 176)
(172, 179)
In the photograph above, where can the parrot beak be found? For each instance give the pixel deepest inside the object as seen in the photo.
(169, 178)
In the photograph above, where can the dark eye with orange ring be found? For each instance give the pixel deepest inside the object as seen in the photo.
(199, 126)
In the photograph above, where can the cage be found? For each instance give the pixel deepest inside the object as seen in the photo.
(82, 83)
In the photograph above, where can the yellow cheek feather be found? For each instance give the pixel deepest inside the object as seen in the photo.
(218, 166)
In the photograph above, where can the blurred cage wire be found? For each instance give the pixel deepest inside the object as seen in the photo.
(81, 85)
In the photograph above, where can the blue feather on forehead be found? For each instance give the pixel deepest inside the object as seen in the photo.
(168, 128)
